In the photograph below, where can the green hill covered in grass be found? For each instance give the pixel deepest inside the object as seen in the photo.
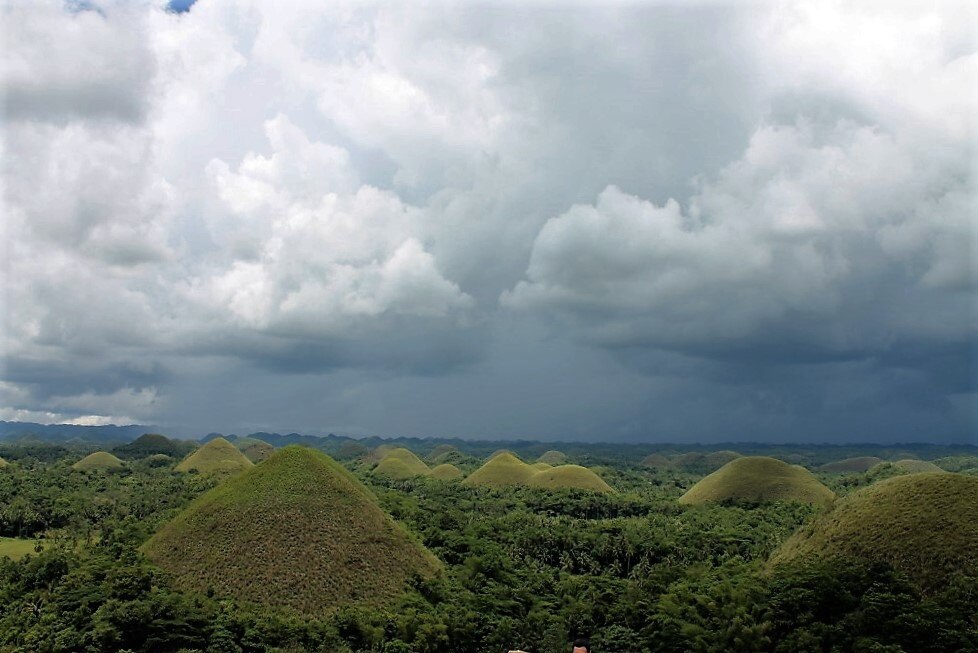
(446, 472)
(3, 463)
(501, 470)
(297, 532)
(153, 443)
(441, 450)
(924, 525)
(350, 450)
(216, 457)
(254, 449)
(99, 461)
(851, 465)
(553, 457)
(400, 464)
(569, 476)
(378, 454)
(906, 466)
(759, 478)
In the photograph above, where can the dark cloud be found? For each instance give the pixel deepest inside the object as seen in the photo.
(636, 222)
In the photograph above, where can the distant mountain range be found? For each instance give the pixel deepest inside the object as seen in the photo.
(60, 433)
(106, 437)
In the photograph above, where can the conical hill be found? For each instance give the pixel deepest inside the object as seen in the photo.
(400, 464)
(553, 457)
(446, 472)
(569, 476)
(297, 532)
(98, 461)
(759, 478)
(925, 525)
(500, 470)
(216, 457)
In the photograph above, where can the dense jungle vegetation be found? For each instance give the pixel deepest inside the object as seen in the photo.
(524, 568)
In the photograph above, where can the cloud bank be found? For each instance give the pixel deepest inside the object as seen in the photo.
(628, 222)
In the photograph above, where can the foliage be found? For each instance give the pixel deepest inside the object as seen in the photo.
(523, 568)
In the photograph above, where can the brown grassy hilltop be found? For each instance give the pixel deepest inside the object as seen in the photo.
(925, 525)
(297, 532)
(759, 478)
(216, 457)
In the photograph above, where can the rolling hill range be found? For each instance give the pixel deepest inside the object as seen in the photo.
(925, 525)
(216, 457)
(98, 461)
(656, 460)
(297, 532)
(851, 465)
(759, 478)
(907, 466)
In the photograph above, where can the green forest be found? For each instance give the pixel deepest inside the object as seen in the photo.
(516, 566)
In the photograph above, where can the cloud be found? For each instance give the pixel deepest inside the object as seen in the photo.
(61, 66)
(668, 214)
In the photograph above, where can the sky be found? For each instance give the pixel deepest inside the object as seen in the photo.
(636, 222)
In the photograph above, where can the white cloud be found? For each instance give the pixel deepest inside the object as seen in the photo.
(311, 187)
(835, 239)
(63, 65)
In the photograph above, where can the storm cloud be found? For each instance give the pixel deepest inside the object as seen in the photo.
(629, 222)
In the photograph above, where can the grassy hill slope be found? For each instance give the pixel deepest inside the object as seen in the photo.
(297, 532)
(759, 478)
(148, 444)
(400, 464)
(851, 465)
(501, 470)
(553, 457)
(3, 463)
(254, 449)
(98, 461)
(925, 525)
(216, 457)
(569, 476)
(446, 472)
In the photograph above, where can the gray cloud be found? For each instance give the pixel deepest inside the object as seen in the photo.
(632, 222)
